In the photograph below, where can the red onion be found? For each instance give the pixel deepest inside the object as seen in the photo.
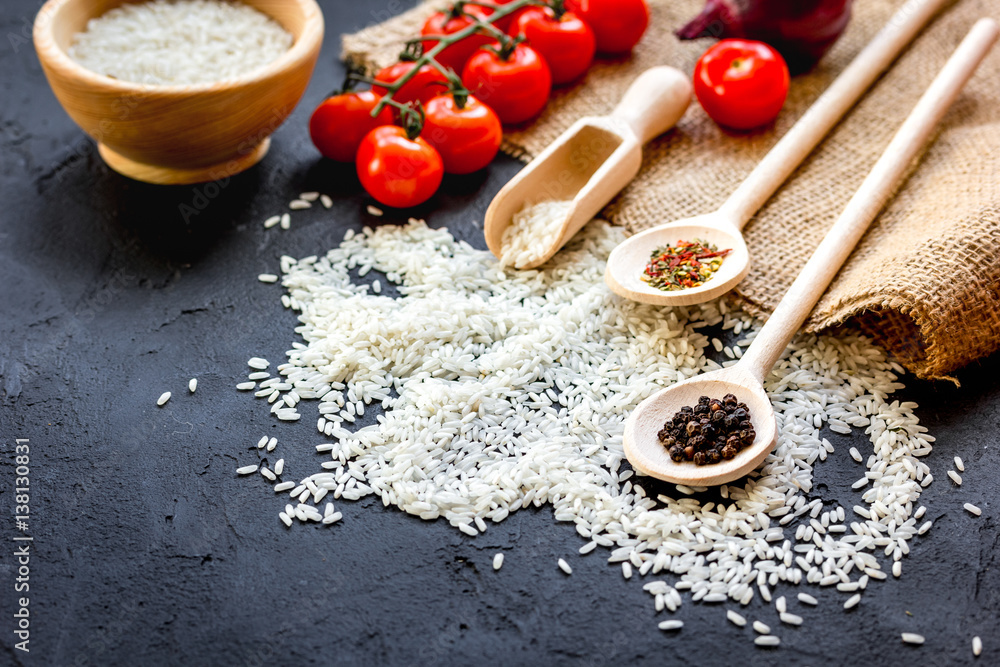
(801, 30)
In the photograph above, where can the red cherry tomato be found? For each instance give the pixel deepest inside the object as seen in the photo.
(566, 43)
(516, 88)
(617, 24)
(396, 170)
(741, 84)
(339, 123)
(467, 138)
(425, 85)
(448, 22)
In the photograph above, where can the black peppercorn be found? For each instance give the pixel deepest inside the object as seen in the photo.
(708, 432)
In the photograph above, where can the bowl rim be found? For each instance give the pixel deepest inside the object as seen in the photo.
(51, 54)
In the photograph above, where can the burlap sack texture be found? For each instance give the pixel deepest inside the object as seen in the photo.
(925, 280)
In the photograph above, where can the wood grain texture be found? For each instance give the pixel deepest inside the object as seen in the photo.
(171, 134)
(745, 378)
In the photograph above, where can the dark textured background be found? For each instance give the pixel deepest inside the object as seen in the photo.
(149, 549)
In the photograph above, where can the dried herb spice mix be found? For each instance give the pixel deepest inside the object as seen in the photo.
(713, 430)
(683, 266)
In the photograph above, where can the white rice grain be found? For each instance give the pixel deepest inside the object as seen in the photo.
(972, 509)
(179, 42)
(564, 566)
(498, 561)
(532, 232)
(164, 397)
(912, 638)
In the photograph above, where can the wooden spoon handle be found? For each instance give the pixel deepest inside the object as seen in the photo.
(654, 102)
(827, 111)
(878, 186)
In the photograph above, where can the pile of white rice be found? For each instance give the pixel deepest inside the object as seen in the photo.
(179, 42)
(502, 391)
(532, 232)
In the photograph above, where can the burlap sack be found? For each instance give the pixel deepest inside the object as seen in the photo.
(925, 280)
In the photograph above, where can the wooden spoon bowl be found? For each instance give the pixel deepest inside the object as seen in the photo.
(179, 134)
(627, 262)
(649, 456)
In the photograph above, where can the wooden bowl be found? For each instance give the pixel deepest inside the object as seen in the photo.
(179, 134)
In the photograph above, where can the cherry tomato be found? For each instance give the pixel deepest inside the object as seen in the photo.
(567, 44)
(448, 22)
(396, 170)
(617, 24)
(467, 137)
(741, 84)
(516, 88)
(339, 123)
(426, 84)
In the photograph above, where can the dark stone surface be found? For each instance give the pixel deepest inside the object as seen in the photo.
(149, 550)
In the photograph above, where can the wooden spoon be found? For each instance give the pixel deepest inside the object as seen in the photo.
(745, 379)
(593, 160)
(724, 227)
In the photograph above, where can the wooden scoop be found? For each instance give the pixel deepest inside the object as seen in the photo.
(593, 160)
(723, 228)
(745, 379)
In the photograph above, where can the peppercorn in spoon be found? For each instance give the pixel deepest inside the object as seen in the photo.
(723, 228)
(744, 380)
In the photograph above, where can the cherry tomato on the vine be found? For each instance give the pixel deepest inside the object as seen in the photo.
(567, 44)
(459, 17)
(396, 170)
(339, 123)
(617, 24)
(515, 82)
(741, 84)
(467, 137)
(426, 84)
